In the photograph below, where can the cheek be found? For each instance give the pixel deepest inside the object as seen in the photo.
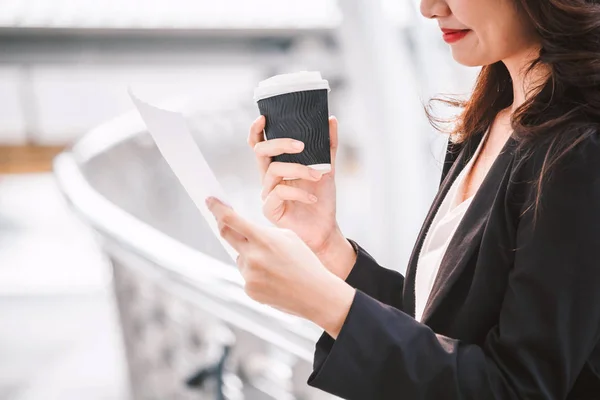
(491, 43)
(498, 32)
(477, 49)
(471, 13)
(509, 39)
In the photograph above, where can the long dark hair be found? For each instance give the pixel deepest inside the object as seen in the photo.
(564, 109)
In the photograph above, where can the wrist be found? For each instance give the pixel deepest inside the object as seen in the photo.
(331, 305)
(338, 255)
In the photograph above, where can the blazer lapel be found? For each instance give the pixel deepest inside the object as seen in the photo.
(457, 156)
(469, 232)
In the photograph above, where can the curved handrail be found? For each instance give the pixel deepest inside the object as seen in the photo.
(210, 278)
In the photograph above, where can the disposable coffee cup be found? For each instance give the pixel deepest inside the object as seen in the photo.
(296, 106)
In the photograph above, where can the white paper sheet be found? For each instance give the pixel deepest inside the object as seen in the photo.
(176, 144)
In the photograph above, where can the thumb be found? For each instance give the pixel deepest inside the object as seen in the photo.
(333, 140)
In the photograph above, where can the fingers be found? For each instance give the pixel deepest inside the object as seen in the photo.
(255, 137)
(275, 147)
(267, 149)
(274, 201)
(227, 217)
(277, 171)
(333, 140)
(257, 131)
(235, 239)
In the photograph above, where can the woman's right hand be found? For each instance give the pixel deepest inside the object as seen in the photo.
(306, 205)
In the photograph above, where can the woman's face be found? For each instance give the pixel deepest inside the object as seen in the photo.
(481, 32)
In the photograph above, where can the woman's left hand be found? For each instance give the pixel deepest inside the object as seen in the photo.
(282, 271)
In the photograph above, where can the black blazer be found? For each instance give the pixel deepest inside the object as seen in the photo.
(515, 309)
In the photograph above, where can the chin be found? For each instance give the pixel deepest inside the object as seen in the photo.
(468, 59)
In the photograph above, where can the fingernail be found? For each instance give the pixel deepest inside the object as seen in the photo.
(313, 198)
(208, 201)
(298, 145)
(316, 174)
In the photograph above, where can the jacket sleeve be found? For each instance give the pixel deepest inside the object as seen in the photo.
(548, 324)
(378, 282)
(369, 277)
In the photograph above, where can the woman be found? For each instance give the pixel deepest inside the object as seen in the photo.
(501, 298)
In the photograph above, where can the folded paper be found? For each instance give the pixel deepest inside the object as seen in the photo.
(176, 144)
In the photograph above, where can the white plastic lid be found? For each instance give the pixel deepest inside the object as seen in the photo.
(288, 83)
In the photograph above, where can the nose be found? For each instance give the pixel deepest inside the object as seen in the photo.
(435, 9)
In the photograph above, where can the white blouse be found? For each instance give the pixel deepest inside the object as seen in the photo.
(438, 236)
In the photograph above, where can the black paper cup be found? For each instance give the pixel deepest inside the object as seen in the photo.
(296, 106)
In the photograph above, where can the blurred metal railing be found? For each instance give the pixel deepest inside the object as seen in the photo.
(189, 329)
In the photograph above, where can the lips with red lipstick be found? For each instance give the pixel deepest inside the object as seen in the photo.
(454, 35)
